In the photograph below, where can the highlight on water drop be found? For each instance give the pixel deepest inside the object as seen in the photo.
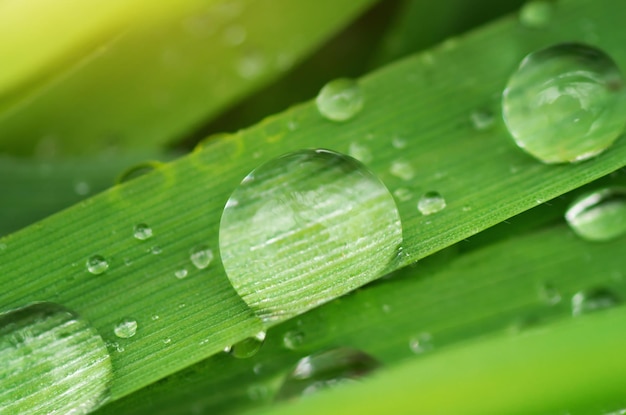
(327, 369)
(52, 361)
(340, 100)
(565, 103)
(599, 215)
(305, 228)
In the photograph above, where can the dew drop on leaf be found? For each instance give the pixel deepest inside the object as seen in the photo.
(327, 369)
(306, 227)
(565, 103)
(340, 100)
(97, 264)
(536, 13)
(201, 256)
(599, 215)
(247, 347)
(431, 202)
(126, 328)
(595, 299)
(142, 232)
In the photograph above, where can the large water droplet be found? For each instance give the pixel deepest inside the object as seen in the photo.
(536, 13)
(340, 100)
(599, 215)
(142, 232)
(565, 103)
(51, 362)
(592, 300)
(126, 328)
(201, 256)
(325, 370)
(305, 228)
(97, 264)
(248, 347)
(431, 202)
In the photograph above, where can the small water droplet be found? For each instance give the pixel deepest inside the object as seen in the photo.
(251, 65)
(43, 348)
(482, 120)
(118, 348)
(128, 262)
(536, 13)
(142, 232)
(402, 169)
(258, 392)
(592, 300)
(325, 370)
(360, 152)
(292, 125)
(167, 340)
(155, 317)
(82, 188)
(201, 256)
(399, 142)
(293, 339)
(155, 250)
(126, 328)
(386, 308)
(431, 202)
(565, 103)
(138, 171)
(340, 100)
(550, 294)
(333, 200)
(599, 215)
(181, 273)
(96, 264)
(421, 343)
(403, 194)
(234, 35)
(248, 347)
